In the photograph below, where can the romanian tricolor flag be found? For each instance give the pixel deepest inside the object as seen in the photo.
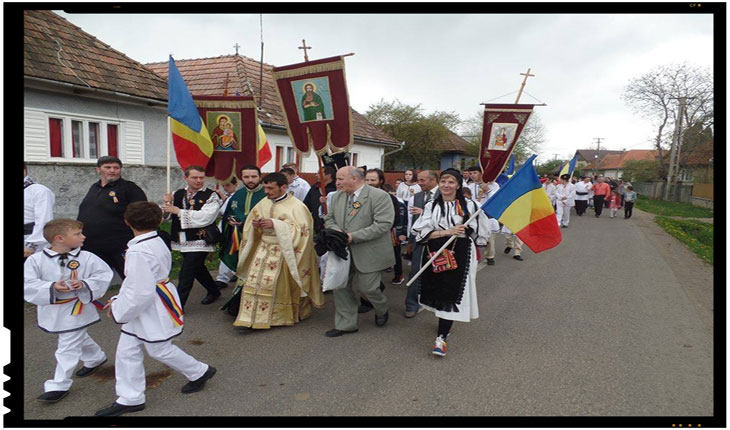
(236, 239)
(168, 300)
(264, 150)
(524, 207)
(193, 146)
(569, 167)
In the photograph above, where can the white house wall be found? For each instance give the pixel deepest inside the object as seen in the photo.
(367, 155)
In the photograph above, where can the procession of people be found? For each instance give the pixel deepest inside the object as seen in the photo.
(273, 237)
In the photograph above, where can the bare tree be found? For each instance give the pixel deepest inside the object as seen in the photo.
(532, 137)
(653, 96)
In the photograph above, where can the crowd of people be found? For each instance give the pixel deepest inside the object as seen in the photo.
(584, 192)
(273, 236)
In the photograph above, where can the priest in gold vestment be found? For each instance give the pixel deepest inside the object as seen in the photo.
(277, 269)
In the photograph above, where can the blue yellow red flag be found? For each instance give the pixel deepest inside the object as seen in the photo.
(190, 137)
(524, 207)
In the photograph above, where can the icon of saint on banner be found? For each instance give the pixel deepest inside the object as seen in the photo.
(314, 102)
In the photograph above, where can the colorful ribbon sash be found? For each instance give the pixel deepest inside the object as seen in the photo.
(173, 308)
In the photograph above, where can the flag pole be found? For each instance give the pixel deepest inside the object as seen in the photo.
(168, 154)
(437, 253)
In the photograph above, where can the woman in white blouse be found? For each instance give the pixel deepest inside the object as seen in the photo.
(451, 294)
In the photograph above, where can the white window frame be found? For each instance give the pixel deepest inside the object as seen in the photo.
(67, 144)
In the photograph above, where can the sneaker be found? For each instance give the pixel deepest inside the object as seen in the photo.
(397, 281)
(439, 347)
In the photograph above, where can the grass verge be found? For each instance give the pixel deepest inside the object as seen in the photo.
(696, 235)
(661, 207)
(211, 264)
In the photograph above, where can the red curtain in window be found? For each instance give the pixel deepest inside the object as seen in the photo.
(56, 137)
(111, 138)
(279, 150)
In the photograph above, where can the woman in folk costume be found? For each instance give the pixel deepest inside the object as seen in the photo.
(64, 282)
(451, 293)
(410, 187)
(149, 311)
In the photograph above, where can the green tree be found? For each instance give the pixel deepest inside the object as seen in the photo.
(550, 167)
(532, 137)
(640, 171)
(422, 133)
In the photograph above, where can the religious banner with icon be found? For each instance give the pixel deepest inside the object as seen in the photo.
(503, 124)
(232, 124)
(316, 105)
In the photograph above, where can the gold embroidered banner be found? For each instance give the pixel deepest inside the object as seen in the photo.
(503, 125)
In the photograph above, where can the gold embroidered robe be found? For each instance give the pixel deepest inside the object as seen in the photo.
(277, 268)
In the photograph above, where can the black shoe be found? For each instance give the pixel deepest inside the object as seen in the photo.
(397, 281)
(221, 284)
(518, 257)
(210, 298)
(116, 409)
(336, 333)
(564, 226)
(380, 321)
(598, 216)
(52, 396)
(364, 308)
(234, 279)
(198, 384)
(86, 371)
(490, 261)
(507, 249)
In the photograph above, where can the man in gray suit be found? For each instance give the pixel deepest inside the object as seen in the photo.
(366, 215)
(428, 180)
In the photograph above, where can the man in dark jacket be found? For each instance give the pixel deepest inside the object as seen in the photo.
(102, 212)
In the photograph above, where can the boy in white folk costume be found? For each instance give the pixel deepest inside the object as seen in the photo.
(64, 282)
(148, 308)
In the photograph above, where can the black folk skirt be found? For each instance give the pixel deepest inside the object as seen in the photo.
(443, 291)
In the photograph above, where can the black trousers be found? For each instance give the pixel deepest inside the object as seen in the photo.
(398, 268)
(580, 207)
(114, 259)
(598, 202)
(628, 209)
(193, 267)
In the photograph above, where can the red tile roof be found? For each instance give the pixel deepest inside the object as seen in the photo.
(698, 156)
(85, 60)
(208, 76)
(452, 143)
(618, 161)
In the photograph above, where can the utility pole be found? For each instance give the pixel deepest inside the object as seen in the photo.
(595, 158)
(676, 143)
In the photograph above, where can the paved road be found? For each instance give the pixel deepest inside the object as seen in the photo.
(615, 321)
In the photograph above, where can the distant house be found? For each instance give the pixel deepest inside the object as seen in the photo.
(83, 99)
(238, 74)
(612, 165)
(452, 153)
(588, 159)
(697, 164)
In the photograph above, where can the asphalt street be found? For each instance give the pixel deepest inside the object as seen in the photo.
(615, 321)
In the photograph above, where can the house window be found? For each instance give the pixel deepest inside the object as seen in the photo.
(112, 140)
(279, 153)
(77, 136)
(55, 126)
(93, 140)
(354, 160)
(290, 155)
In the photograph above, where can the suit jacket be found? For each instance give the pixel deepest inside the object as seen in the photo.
(370, 224)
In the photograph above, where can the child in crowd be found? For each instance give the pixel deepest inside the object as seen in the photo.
(614, 203)
(629, 199)
(148, 308)
(64, 282)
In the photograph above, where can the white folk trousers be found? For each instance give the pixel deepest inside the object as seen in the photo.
(73, 346)
(224, 273)
(129, 366)
(491, 245)
(514, 242)
(562, 213)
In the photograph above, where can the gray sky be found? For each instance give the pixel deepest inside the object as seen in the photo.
(451, 62)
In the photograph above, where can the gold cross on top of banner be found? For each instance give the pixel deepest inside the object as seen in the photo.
(305, 47)
(524, 81)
